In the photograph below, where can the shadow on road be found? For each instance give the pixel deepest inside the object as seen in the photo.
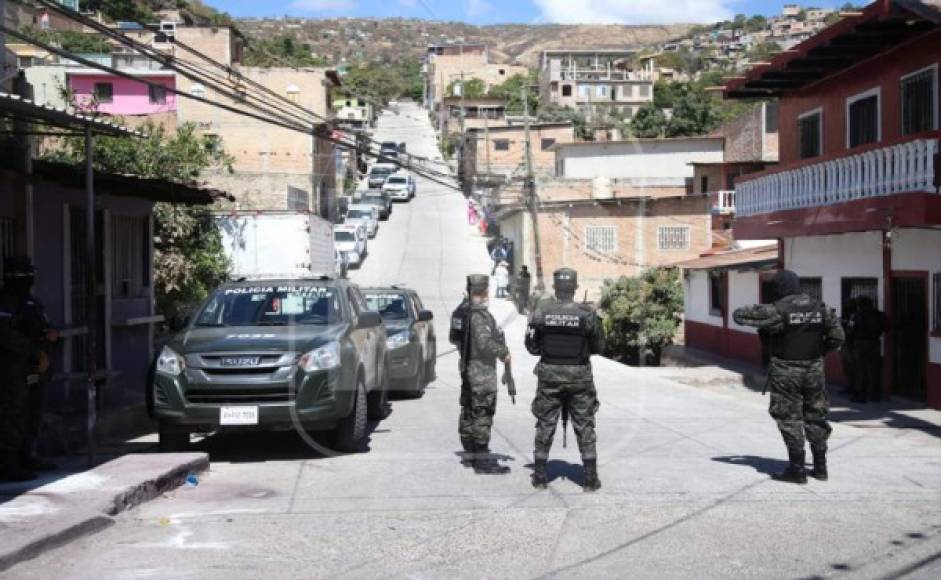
(764, 465)
(557, 468)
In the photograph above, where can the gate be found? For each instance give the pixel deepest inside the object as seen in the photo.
(909, 328)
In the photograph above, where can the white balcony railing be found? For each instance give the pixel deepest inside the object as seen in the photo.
(902, 168)
(723, 202)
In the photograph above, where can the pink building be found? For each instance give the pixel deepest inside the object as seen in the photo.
(115, 95)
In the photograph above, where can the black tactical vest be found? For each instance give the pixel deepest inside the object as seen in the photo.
(804, 329)
(564, 334)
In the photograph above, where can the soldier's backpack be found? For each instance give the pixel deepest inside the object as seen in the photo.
(458, 324)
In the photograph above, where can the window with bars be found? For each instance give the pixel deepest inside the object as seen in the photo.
(810, 131)
(862, 119)
(853, 288)
(501, 144)
(104, 92)
(130, 256)
(601, 238)
(673, 238)
(919, 101)
(158, 95)
(298, 199)
(812, 287)
(644, 91)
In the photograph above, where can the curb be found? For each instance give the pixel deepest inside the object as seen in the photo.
(86, 520)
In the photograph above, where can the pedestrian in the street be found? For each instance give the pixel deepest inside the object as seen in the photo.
(497, 255)
(564, 334)
(802, 331)
(523, 282)
(869, 324)
(481, 344)
(848, 320)
(472, 216)
(20, 356)
(501, 279)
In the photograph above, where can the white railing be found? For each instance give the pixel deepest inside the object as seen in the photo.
(723, 202)
(907, 167)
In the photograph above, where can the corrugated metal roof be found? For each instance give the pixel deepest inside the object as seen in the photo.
(30, 111)
(755, 257)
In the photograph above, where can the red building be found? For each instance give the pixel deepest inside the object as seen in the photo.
(855, 199)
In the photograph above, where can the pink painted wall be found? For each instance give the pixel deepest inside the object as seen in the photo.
(130, 97)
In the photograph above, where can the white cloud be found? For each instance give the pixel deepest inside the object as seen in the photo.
(322, 5)
(633, 11)
(475, 8)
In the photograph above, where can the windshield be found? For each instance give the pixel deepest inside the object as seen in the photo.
(278, 305)
(344, 236)
(396, 180)
(359, 213)
(380, 171)
(390, 306)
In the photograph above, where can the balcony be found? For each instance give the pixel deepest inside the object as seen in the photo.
(723, 202)
(907, 167)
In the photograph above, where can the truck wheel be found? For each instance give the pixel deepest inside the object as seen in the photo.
(173, 441)
(351, 432)
(378, 398)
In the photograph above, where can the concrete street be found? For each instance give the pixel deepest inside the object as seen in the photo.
(684, 465)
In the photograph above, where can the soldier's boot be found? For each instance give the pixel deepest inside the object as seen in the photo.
(592, 483)
(820, 463)
(540, 478)
(486, 464)
(795, 472)
(467, 458)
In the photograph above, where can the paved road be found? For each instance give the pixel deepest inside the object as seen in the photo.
(685, 470)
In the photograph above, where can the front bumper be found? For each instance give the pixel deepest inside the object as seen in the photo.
(397, 193)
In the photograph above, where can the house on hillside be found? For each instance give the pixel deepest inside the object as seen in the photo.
(854, 201)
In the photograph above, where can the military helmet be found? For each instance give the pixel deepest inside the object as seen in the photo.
(478, 283)
(565, 279)
(18, 267)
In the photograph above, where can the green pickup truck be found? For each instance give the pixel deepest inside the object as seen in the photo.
(274, 355)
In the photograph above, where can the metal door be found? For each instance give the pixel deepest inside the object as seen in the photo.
(909, 328)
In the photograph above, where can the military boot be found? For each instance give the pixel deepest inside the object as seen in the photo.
(592, 483)
(485, 464)
(820, 463)
(540, 478)
(795, 472)
(467, 458)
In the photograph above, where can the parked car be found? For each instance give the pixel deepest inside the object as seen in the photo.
(365, 215)
(388, 150)
(400, 186)
(378, 174)
(380, 199)
(350, 240)
(274, 355)
(411, 342)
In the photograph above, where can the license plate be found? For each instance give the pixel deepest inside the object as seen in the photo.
(240, 361)
(238, 416)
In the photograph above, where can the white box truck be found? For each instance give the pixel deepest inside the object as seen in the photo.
(278, 244)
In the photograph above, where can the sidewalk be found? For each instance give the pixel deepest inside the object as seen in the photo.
(70, 503)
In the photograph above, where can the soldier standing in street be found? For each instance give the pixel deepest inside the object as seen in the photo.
(523, 283)
(20, 355)
(565, 334)
(482, 343)
(802, 330)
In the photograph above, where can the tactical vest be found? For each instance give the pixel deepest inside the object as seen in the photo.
(804, 329)
(564, 334)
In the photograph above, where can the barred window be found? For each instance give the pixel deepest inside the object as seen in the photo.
(919, 101)
(298, 199)
(810, 131)
(862, 118)
(501, 144)
(673, 238)
(601, 238)
(812, 287)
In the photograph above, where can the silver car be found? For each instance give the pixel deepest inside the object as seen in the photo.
(365, 215)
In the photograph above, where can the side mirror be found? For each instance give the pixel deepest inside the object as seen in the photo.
(426, 316)
(369, 320)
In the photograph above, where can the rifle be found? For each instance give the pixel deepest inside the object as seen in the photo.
(565, 421)
(509, 382)
(465, 355)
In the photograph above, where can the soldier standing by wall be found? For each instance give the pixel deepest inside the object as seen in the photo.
(869, 324)
(482, 343)
(565, 334)
(802, 330)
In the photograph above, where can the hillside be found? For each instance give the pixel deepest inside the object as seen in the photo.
(394, 40)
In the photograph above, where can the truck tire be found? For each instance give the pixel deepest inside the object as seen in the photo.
(173, 441)
(351, 432)
(378, 398)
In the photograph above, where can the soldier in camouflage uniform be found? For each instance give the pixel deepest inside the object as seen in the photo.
(485, 345)
(801, 330)
(19, 356)
(565, 334)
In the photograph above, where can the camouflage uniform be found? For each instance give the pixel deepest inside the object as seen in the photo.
(799, 399)
(18, 356)
(486, 347)
(565, 383)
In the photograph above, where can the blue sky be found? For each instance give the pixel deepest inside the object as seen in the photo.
(518, 11)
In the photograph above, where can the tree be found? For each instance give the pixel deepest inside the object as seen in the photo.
(188, 257)
(756, 23)
(71, 40)
(649, 122)
(739, 22)
(557, 114)
(471, 88)
(281, 50)
(763, 51)
(120, 10)
(695, 113)
(381, 82)
(641, 314)
(511, 91)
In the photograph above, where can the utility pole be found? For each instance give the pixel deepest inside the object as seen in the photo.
(531, 196)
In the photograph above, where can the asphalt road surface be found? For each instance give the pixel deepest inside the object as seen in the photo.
(684, 467)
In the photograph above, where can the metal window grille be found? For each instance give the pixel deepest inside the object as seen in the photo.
(673, 238)
(298, 199)
(158, 95)
(864, 121)
(812, 287)
(858, 287)
(601, 238)
(809, 129)
(919, 102)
